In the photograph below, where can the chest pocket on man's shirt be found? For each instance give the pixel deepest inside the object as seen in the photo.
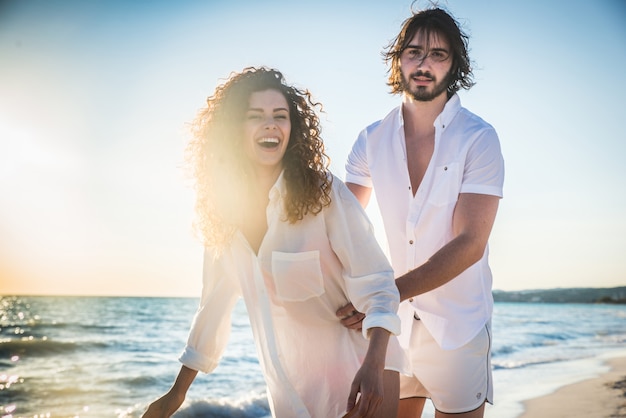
(445, 190)
(297, 276)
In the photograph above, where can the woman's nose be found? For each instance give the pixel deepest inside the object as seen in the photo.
(270, 123)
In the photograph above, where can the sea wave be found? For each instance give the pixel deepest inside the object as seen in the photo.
(35, 347)
(252, 406)
(520, 364)
(135, 382)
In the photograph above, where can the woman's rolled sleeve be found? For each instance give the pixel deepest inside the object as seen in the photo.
(386, 320)
(211, 325)
(377, 296)
(368, 276)
(197, 361)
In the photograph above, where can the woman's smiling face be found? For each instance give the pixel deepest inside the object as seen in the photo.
(267, 127)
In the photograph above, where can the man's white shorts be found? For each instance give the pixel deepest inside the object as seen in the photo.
(457, 380)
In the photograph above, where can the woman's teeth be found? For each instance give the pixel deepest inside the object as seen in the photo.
(268, 142)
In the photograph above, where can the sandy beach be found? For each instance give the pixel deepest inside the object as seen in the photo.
(600, 397)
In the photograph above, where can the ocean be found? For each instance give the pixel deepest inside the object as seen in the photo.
(111, 356)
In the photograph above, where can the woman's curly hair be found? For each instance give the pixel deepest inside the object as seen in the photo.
(221, 170)
(434, 21)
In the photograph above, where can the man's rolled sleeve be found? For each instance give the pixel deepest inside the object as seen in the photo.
(357, 170)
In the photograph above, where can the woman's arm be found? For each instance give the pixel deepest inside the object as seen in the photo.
(367, 274)
(169, 403)
(369, 379)
(207, 337)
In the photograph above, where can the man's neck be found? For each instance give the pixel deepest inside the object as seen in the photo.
(420, 115)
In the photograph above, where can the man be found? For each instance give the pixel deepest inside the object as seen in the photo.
(437, 172)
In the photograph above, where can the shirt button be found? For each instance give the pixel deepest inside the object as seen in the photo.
(411, 242)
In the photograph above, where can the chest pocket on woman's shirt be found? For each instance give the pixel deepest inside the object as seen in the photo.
(297, 276)
(445, 188)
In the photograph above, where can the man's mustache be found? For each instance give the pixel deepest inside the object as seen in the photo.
(425, 74)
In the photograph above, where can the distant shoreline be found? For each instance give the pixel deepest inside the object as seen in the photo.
(611, 295)
(608, 295)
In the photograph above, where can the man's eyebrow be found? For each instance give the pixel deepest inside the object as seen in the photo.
(439, 48)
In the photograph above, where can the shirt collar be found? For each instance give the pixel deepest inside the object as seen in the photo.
(279, 188)
(399, 118)
(452, 107)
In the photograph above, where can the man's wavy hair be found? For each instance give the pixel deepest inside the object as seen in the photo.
(432, 22)
(221, 170)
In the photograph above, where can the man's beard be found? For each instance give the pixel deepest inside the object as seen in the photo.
(421, 93)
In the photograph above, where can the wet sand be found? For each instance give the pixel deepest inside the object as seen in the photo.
(600, 397)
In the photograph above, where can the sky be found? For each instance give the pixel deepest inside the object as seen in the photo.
(95, 98)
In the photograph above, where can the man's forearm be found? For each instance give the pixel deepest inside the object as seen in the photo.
(473, 219)
(446, 264)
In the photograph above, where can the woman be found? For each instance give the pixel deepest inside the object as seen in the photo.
(291, 239)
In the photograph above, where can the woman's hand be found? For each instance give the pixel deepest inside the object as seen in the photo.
(169, 403)
(368, 382)
(165, 406)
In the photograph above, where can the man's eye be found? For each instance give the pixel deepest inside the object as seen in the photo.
(439, 55)
(415, 53)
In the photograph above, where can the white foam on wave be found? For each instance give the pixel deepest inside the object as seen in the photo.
(254, 405)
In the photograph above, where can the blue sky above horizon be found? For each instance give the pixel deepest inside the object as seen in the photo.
(94, 98)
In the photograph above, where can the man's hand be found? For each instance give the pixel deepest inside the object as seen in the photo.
(350, 317)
